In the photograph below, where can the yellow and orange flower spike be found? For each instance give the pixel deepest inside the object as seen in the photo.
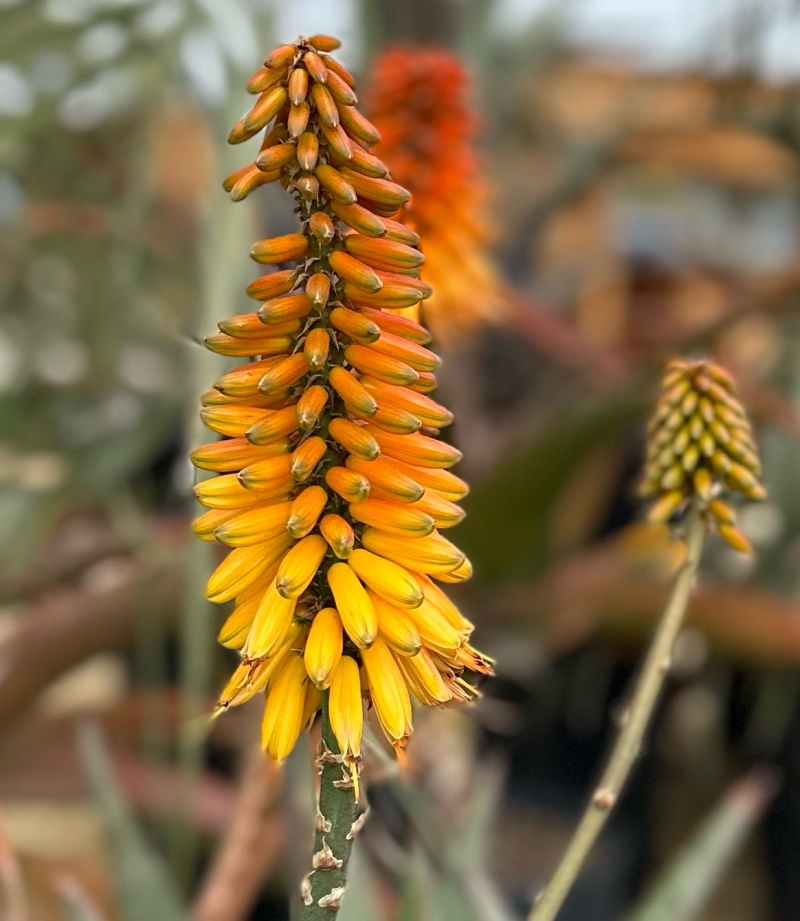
(699, 444)
(418, 102)
(329, 485)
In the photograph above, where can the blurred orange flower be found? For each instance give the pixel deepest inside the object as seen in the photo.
(419, 105)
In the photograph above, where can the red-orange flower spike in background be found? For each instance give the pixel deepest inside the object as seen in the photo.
(331, 497)
(418, 102)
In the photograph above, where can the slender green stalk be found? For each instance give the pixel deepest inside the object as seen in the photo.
(645, 695)
(323, 888)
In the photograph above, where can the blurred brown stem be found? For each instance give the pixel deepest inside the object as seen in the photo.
(251, 845)
(634, 725)
(61, 632)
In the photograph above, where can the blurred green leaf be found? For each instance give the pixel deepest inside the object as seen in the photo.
(505, 531)
(145, 888)
(689, 882)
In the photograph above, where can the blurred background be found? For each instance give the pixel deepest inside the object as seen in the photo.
(600, 184)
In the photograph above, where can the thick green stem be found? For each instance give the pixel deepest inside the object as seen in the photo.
(651, 679)
(323, 889)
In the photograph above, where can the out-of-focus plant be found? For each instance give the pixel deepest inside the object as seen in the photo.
(419, 103)
(699, 443)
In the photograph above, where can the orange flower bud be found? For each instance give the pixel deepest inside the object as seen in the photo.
(359, 218)
(244, 348)
(316, 66)
(388, 691)
(281, 57)
(326, 107)
(382, 191)
(266, 108)
(337, 140)
(276, 158)
(419, 450)
(282, 309)
(414, 355)
(316, 348)
(273, 285)
(340, 70)
(298, 119)
(354, 605)
(265, 474)
(305, 511)
(352, 392)
(307, 150)
(206, 524)
(399, 326)
(354, 325)
(363, 162)
(254, 526)
(273, 425)
(250, 326)
(310, 406)
(383, 367)
(393, 296)
(323, 647)
(361, 128)
(324, 42)
(265, 79)
(285, 708)
(424, 408)
(339, 535)
(334, 183)
(393, 518)
(299, 566)
(242, 567)
(318, 289)
(400, 233)
(242, 182)
(279, 249)
(321, 226)
(444, 513)
(284, 375)
(233, 421)
(433, 554)
(387, 579)
(354, 438)
(308, 187)
(306, 457)
(351, 486)
(298, 86)
(383, 254)
(355, 272)
(233, 454)
(386, 481)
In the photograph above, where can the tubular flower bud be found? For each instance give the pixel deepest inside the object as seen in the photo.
(322, 415)
(419, 103)
(339, 535)
(387, 579)
(324, 646)
(354, 605)
(305, 511)
(699, 444)
(306, 457)
(285, 709)
(299, 566)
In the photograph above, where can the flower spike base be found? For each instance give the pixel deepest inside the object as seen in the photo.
(333, 488)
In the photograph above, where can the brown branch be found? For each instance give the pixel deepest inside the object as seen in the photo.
(63, 630)
(252, 845)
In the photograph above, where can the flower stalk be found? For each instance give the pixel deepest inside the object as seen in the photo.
(699, 444)
(634, 725)
(336, 828)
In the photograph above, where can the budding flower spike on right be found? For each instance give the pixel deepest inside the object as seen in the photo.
(332, 484)
(700, 444)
